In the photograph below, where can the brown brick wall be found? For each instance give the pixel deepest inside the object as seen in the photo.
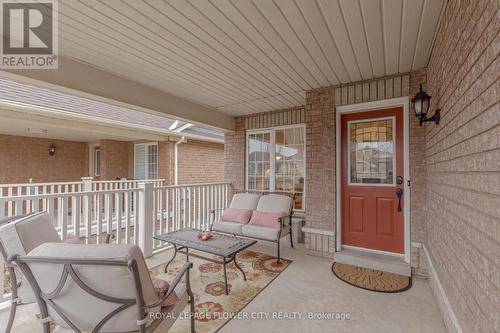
(463, 162)
(24, 157)
(320, 155)
(234, 155)
(200, 162)
(114, 159)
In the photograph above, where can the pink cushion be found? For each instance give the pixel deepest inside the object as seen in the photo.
(161, 286)
(236, 215)
(72, 239)
(267, 219)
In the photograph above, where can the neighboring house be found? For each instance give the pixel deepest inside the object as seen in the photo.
(91, 138)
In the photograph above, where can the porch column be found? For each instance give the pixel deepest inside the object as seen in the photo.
(86, 200)
(145, 215)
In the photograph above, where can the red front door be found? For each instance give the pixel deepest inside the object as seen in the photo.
(372, 179)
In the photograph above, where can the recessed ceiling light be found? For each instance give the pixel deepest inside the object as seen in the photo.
(38, 130)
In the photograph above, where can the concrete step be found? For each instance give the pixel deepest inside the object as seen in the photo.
(381, 262)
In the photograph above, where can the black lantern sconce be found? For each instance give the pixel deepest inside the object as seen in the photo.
(421, 103)
(52, 150)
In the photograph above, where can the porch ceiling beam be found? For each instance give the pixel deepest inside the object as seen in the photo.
(88, 81)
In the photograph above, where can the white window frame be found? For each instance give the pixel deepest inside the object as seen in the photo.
(97, 172)
(272, 162)
(393, 183)
(147, 144)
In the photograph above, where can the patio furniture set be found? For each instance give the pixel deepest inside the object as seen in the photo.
(107, 287)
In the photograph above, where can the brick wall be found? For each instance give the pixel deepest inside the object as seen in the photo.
(320, 169)
(234, 155)
(463, 163)
(200, 162)
(319, 116)
(24, 157)
(114, 159)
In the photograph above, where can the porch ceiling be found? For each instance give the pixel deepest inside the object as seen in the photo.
(247, 56)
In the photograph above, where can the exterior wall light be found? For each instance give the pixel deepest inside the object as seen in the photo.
(421, 103)
(52, 150)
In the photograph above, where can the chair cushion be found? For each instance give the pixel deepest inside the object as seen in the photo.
(267, 219)
(84, 309)
(228, 227)
(275, 203)
(245, 201)
(21, 234)
(236, 215)
(260, 232)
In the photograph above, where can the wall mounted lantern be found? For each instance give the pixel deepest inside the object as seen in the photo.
(421, 103)
(52, 150)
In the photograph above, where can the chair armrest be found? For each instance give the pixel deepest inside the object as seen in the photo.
(184, 270)
(212, 213)
(283, 218)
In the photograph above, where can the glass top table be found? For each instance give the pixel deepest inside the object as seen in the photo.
(225, 246)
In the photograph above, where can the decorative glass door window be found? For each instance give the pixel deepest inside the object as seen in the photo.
(276, 161)
(371, 152)
(146, 161)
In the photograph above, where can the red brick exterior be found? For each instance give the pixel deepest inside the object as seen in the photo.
(114, 159)
(24, 157)
(200, 162)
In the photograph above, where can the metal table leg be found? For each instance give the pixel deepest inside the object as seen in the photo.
(238, 266)
(175, 253)
(225, 276)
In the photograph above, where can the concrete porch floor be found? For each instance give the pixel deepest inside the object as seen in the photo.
(308, 285)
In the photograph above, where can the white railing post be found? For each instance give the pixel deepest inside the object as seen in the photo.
(145, 224)
(87, 212)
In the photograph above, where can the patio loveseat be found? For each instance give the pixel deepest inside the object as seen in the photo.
(247, 206)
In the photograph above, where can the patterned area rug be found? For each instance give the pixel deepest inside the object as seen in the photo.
(371, 279)
(213, 308)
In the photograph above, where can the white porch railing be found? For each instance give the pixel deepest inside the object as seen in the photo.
(86, 184)
(132, 215)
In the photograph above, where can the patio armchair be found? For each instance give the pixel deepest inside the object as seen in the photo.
(19, 235)
(265, 202)
(101, 288)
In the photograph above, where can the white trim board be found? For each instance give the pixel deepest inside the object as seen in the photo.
(450, 319)
(373, 106)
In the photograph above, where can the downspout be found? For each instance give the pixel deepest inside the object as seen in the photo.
(176, 159)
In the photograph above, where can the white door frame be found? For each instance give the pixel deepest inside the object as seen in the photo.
(373, 106)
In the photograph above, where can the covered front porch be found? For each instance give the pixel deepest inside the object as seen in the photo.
(376, 119)
(307, 289)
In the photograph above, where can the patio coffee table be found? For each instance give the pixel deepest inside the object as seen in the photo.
(222, 245)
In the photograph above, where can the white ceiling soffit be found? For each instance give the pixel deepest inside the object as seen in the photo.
(247, 56)
(49, 103)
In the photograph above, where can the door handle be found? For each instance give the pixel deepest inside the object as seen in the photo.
(399, 194)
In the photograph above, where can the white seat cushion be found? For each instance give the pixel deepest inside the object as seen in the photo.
(274, 203)
(260, 232)
(83, 309)
(22, 234)
(245, 201)
(228, 227)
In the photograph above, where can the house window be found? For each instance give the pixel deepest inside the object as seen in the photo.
(97, 162)
(276, 161)
(146, 161)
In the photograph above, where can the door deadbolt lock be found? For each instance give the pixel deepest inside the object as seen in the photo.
(399, 180)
